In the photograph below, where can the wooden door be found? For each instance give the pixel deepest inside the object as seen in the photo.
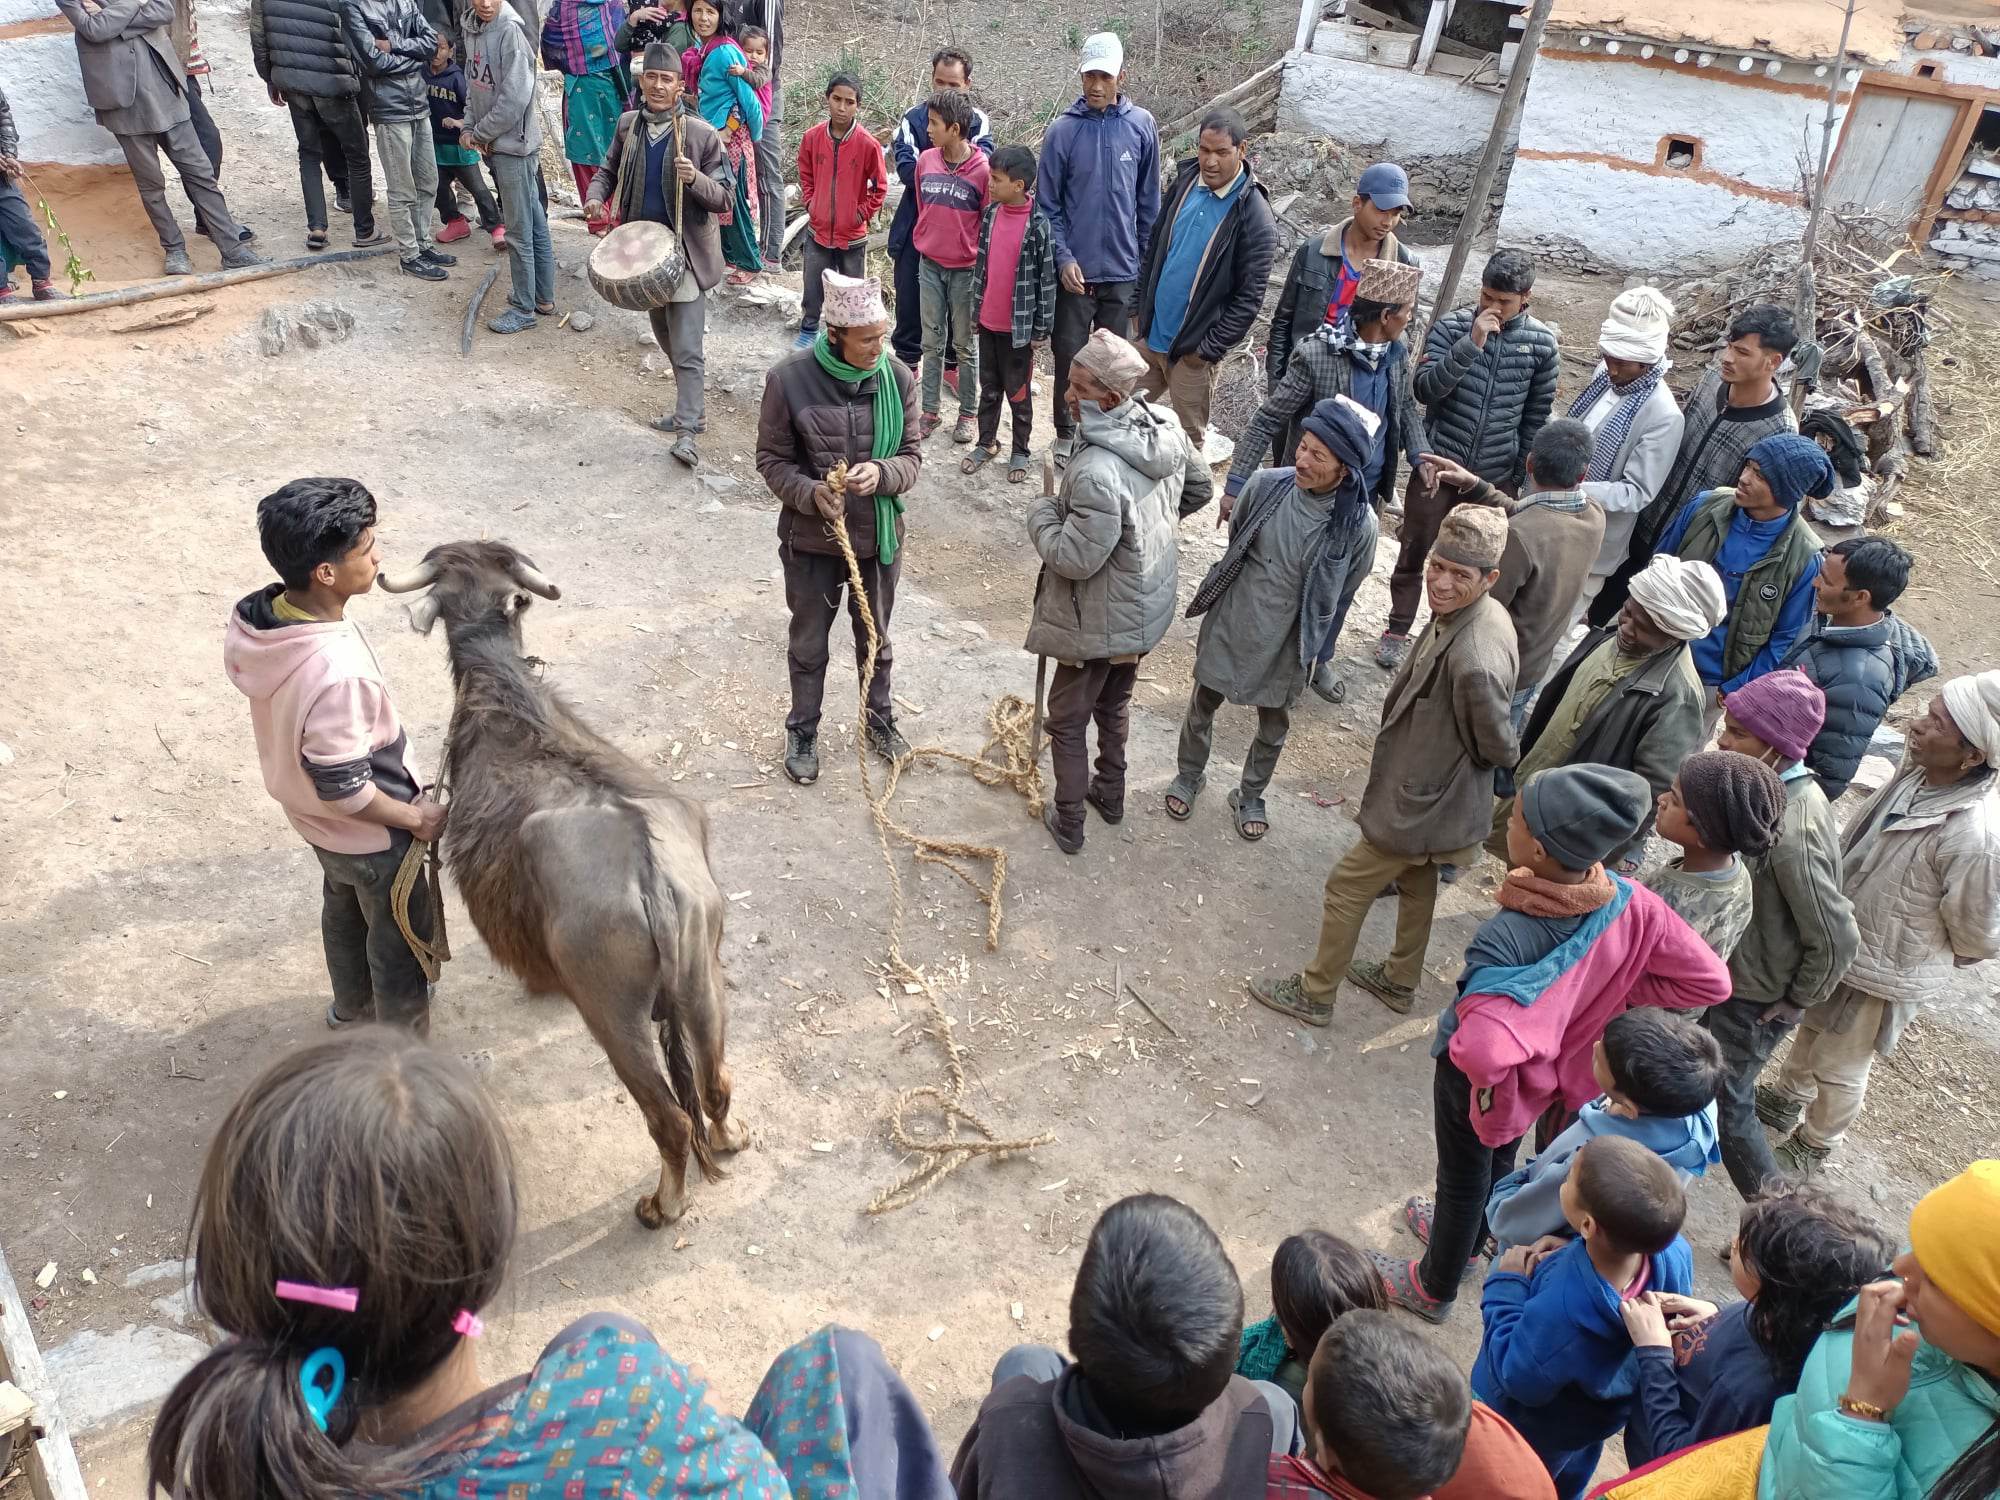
(1889, 151)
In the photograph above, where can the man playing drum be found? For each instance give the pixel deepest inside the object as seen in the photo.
(668, 167)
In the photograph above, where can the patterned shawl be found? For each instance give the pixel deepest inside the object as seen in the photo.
(842, 1425)
(577, 36)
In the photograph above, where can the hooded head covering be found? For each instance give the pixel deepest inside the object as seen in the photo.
(1684, 598)
(1582, 813)
(1113, 361)
(1636, 327)
(1388, 281)
(1794, 467)
(851, 301)
(1955, 1235)
(1735, 803)
(1473, 535)
(1974, 706)
(1784, 709)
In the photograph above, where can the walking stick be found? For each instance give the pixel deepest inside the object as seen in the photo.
(1041, 662)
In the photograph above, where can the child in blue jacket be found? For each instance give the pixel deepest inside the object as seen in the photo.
(1659, 1073)
(1556, 1360)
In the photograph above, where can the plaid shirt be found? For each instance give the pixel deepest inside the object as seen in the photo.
(1034, 277)
(1300, 1479)
(1316, 372)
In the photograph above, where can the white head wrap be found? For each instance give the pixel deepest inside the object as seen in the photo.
(1685, 598)
(1974, 705)
(1636, 327)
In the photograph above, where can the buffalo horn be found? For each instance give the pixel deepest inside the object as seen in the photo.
(533, 579)
(422, 576)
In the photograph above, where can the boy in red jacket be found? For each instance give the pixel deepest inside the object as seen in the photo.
(843, 179)
(1571, 946)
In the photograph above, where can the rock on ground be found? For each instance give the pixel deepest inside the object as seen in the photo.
(306, 326)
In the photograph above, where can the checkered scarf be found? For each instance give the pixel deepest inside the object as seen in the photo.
(1618, 426)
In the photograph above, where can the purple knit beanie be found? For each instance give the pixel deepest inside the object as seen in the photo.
(1783, 709)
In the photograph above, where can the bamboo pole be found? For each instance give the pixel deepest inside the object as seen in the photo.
(1805, 305)
(180, 286)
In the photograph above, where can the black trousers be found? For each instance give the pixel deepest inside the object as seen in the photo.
(853, 261)
(907, 338)
(375, 975)
(314, 119)
(814, 582)
(1747, 1044)
(1100, 691)
(1106, 305)
(1467, 1169)
(204, 125)
(1005, 374)
(474, 178)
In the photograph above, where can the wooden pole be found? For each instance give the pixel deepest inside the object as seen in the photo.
(1302, 35)
(1489, 163)
(1805, 305)
(178, 286)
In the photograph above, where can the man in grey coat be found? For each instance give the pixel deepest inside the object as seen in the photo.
(132, 77)
(390, 42)
(1109, 574)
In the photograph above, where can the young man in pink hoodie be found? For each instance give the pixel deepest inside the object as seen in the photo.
(330, 744)
(1572, 946)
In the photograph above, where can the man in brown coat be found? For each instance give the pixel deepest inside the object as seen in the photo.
(668, 166)
(847, 403)
(1445, 730)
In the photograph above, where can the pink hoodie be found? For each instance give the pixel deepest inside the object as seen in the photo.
(1531, 1055)
(326, 729)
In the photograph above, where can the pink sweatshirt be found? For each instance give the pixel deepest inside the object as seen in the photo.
(1531, 1055)
(326, 729)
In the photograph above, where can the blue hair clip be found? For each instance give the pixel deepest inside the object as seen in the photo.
(321, 1400)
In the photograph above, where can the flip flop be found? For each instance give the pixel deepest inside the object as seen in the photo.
(977, 459)
(1017, 468)
(1179, 791)
(1248, 810)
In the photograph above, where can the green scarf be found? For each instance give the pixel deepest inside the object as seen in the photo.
(888, 412)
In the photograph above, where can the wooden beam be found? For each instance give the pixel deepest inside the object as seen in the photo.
(1433, 30)
(181, 286)
(53, 1473)
(1302, 34)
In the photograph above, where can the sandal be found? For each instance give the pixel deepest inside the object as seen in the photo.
(1017, 468)
(927, 424)
(978, 459)
(315, 239)
(545, 309)
(1249, 810)
(1419, 1213)
(1179, 791)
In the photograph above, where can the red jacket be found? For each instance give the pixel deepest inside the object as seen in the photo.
(843, 183)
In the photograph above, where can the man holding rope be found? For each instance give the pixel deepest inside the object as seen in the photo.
(845, 404)
(332, 749)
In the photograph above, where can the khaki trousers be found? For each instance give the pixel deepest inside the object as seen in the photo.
(1352, 888)
(1187, 388)
(1827, 1071)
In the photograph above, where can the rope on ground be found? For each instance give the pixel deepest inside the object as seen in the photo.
(1008, 722)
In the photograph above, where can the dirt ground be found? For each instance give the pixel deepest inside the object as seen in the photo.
(160, 939)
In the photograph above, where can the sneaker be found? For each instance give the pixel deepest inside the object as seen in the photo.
(1327, 685)
(1800, 1157)
(513, 320)
(423, 270)
(1375, 979)
(805, 338)
(1288, 997)
(1390, 650)
(1054, 821)
(436, 256)
(802, 756)
(1419, 1212)
(500, 238)
(454, 231)
(342, 202)
(176, 263)
(48, 291)
(335, 1021)
(1779, 1111)
(239, 257)
(927, 424)
(887, 741)
(1403, 1289)
(965, 429)
(951, 378)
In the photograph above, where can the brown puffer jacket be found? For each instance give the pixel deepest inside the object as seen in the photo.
(809, 422)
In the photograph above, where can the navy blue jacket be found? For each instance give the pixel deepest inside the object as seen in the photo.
(1862, 669)
(1715, 1380)
(911, 140)
(1099, 183)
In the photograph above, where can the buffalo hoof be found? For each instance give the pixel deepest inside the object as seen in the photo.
(655, 1215)
(732, 1135)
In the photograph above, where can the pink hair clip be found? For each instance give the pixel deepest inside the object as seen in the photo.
(467, 1324)
(339, 1298)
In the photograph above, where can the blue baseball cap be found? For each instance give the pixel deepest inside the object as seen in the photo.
(1385, 185)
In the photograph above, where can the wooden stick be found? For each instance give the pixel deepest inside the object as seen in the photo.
(53, 1473)
(178, 286)
(1150, 1011)
(472, 312)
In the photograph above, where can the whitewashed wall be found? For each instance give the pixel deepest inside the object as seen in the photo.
(1366, 104)
(44, 88)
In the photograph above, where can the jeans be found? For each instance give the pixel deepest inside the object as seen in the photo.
(1108, 305)
(680, 329)
(204, 126)
(1351, 889)
(1198, 736)
(183, 149)
(813, 584)
(1188, 389)
(1100, 691)
(375, 975)
(853, 261)
(771, 177)
(947, 304)
(475, 184)
(409, 172)
(333, 136)
(1358, 564)
(19, 229)
(1747, 1044)
(907, 338)
(1005, 374)
(531, 255)
(1466, 1171)
(1041, 1363)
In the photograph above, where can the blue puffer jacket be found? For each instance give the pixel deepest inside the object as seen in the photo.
(1099, 183)
(1818, 1452)
(1862, 669)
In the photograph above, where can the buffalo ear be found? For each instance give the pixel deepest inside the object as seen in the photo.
(423, 614)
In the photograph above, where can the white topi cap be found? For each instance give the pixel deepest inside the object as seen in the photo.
(1102, 53)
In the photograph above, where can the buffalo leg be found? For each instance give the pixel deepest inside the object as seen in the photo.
(630, 1049)
(706, 1025)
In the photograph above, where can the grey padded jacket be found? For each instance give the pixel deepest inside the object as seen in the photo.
(1109, 564)
(392, 82)
(1486, 405)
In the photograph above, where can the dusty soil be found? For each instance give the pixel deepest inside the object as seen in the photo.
(160, 944)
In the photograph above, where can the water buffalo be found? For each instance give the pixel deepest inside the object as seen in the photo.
(585, 874)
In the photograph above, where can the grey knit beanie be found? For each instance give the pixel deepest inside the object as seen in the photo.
(1583, 813)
